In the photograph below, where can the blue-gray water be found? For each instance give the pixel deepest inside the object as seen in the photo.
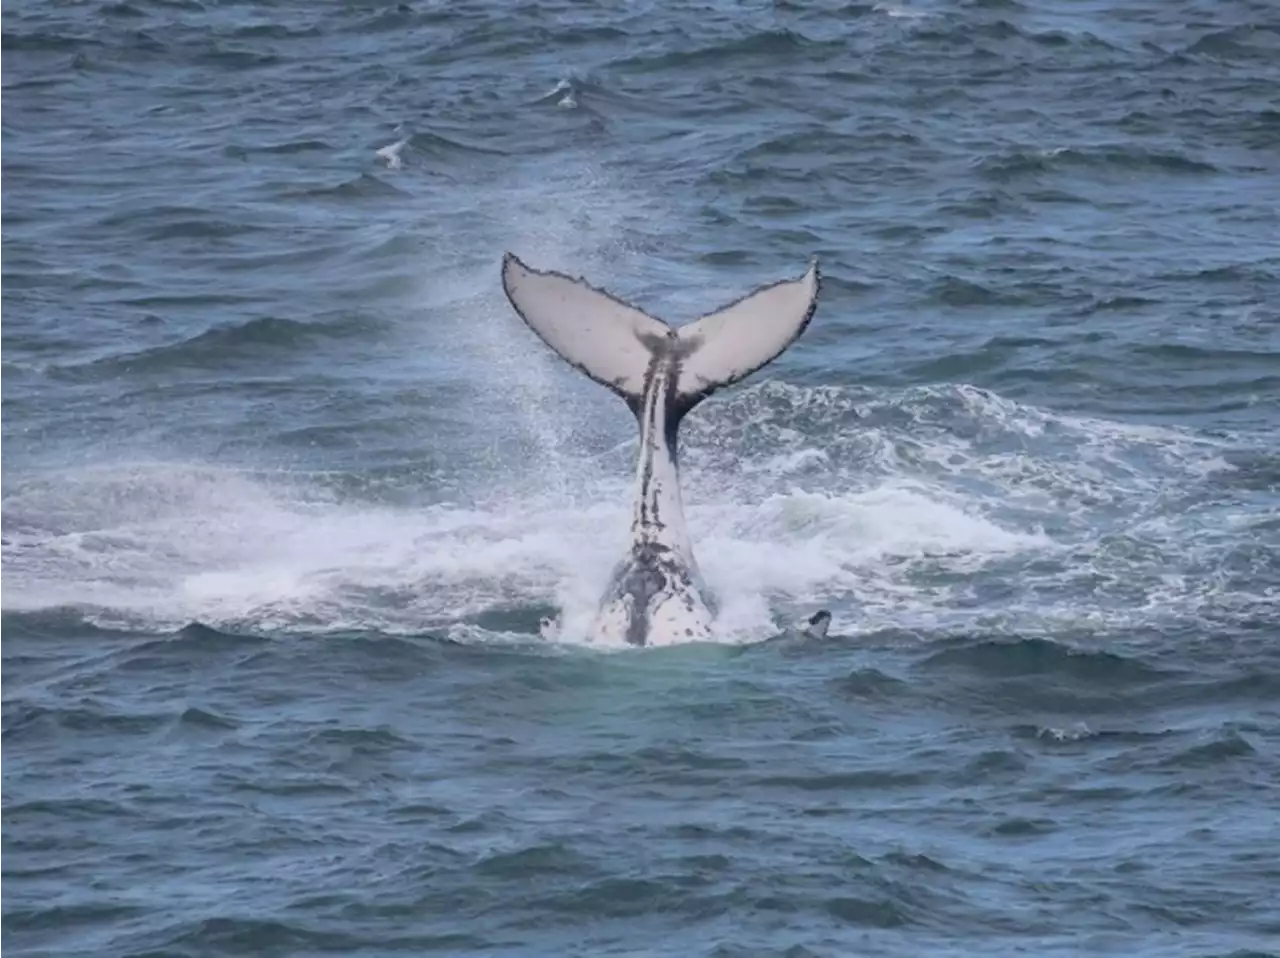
(288, 487)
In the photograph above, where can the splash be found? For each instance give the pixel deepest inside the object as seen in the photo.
(929, 531)
(391, 153)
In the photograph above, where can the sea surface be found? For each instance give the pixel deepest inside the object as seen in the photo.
(288, 487)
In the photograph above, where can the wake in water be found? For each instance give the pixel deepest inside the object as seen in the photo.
(929, 509)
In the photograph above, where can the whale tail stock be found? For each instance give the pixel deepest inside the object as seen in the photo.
(620, 346)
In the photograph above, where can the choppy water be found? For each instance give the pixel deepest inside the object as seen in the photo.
(287, 486)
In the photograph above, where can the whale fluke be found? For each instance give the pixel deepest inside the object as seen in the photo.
(616, 344)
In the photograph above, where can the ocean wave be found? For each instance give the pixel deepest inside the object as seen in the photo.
(27, 724)
(1011, 165)
(1224, 747)
(211, 349)
(774, 45)
(45, 41)
(1041, 657)
(356, 189)
(273, 30)
(1243, 42)
(120, 9)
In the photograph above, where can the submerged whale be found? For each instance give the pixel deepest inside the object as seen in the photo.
(656, 594)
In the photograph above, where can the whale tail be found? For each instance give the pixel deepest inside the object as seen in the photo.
(618, 345)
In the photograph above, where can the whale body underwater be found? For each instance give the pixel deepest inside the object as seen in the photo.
(656, 594)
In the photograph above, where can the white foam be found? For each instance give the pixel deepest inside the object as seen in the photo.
(226, 548)
(899, 12)
(894, 520)
(391, 153)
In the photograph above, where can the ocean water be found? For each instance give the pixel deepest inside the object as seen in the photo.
(288, 487)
